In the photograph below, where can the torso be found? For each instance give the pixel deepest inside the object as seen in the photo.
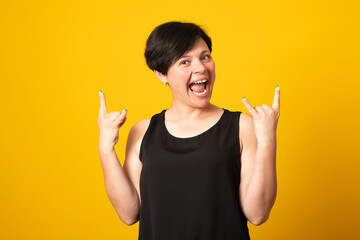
(208, 155)
(192, 127)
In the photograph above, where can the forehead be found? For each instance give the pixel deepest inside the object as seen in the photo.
(199, 47)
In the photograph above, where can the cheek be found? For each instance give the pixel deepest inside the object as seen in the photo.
(213, 65)
(180, 77)
(212, 69)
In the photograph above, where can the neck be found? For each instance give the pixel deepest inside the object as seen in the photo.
(185, 112)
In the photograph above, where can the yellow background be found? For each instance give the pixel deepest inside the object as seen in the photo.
(56, 55)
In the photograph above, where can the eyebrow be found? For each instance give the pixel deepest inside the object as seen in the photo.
(185, 56)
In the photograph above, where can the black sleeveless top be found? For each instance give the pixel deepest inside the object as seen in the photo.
(190, 186)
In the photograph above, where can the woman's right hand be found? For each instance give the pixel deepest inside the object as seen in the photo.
(109, 124)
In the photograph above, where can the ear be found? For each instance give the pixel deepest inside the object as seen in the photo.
(161, 77)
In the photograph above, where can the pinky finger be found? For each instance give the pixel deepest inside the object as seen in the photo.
(249, 107)
(121, 119)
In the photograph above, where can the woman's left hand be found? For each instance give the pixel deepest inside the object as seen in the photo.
(265, 118)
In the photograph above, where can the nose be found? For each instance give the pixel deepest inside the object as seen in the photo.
(199, 66)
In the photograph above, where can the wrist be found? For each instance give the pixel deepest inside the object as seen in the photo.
(266, 139)
(106, 150)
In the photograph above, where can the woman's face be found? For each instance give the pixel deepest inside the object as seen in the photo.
(191, 78)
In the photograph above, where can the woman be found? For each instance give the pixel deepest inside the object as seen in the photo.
(195, 170)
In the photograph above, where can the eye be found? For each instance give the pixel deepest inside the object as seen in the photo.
(206, 57)
(184, 62)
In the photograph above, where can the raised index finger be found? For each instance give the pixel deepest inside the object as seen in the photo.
(276, 103)
(102, 109)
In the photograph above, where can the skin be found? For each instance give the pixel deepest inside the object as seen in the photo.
(190, 115)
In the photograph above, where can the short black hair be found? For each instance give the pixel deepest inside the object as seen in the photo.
(169, 41)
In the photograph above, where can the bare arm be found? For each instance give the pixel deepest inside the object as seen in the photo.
(122, 183)
(120, 189)
(258, 187)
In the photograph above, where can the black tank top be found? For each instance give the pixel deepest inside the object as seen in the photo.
(190, 186)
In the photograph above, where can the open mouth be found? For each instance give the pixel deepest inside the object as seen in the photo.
(199, 88)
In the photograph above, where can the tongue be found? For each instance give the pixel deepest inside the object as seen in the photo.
(199, 88)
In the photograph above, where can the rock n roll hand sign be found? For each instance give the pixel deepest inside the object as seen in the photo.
(265, 117)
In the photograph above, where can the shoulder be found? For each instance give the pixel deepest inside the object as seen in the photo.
(136, 135)
(139, 128)
(246, 130)
(141, 125)
(245, 119)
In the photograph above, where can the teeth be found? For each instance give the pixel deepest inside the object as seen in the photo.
(202, 81)
(199, 94)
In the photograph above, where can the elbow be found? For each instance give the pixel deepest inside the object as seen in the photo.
(129, 221)
(128, 218)
(258, 220)
(261, 215)
(129, 214)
